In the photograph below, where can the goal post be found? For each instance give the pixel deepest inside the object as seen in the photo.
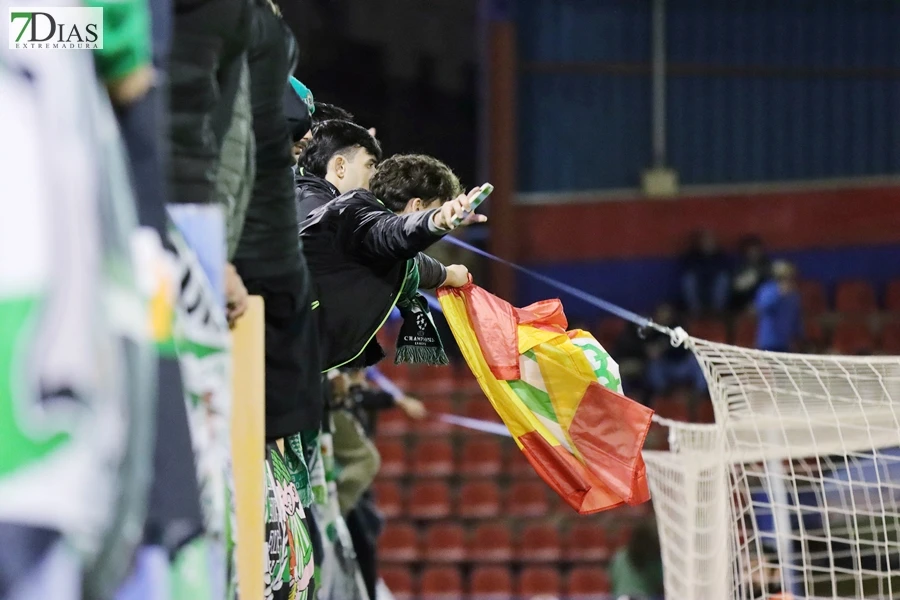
(795, 488)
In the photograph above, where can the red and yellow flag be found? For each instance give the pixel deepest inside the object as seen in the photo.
(558, 392)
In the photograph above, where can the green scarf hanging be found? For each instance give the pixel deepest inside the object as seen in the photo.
(297, 450)
(419, 342)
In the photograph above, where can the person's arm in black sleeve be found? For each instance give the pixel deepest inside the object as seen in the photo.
(432, 274)
(383, 235)
(375, 400)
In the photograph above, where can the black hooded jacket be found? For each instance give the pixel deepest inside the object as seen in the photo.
(357, 250)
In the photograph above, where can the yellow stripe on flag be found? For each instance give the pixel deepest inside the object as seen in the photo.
(517, 417)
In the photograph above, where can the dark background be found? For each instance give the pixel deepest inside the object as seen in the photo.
(405, 68)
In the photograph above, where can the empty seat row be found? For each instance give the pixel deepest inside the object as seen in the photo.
(395, 422)
(848, 336)
(496, 583)
(474, 500)
(480, 456)
(495, 542)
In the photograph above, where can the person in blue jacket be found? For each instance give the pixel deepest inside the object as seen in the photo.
(780, 326)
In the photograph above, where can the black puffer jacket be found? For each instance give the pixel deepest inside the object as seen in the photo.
(208, 41)
(268, 243)
(357, 250)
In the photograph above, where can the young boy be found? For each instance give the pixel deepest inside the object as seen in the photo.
(363, 251)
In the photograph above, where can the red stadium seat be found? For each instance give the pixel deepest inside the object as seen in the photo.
(433, 458)
(705, 413)
(588, 583)
(482, 457)
(813, 331)
(479, 500)
(440, 583)
(745, 332)
(465, 380)
(491, 583)
(890, 339)
(852, 338)
(608, 331)
(429, 500)
(675, 408)
(445, 542)
(517, 465)
(490, 542)
(431, 425)
(855, 297)
(539, 543)
(620, 535)
(399, 543)
(481, 408)
(813, 298)
(393, 458)
(389, 498)
(892, 297)
(535, 581)
(587, 542)
(399, 581)
(709, 329)
(527, 499)
(426, 381)
(392, 423)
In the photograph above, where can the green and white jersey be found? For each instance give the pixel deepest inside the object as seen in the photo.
(76, 374)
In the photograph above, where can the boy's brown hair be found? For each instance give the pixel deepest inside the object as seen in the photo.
(403, 177)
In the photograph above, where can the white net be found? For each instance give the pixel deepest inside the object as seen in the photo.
(794, 490)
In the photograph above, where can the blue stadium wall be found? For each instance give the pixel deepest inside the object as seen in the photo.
(758, 90)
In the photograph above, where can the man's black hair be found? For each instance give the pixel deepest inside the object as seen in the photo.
(403, 177)
(331, 138)
(330, 112)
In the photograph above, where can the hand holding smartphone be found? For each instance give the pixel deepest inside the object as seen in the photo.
(486, 190)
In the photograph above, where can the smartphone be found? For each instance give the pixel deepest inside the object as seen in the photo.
(486, 190)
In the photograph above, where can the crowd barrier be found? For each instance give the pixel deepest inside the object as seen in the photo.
(248, 445)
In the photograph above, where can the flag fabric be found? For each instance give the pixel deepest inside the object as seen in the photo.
(558, 392)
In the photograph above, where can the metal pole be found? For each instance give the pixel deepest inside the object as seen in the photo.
(659, 82)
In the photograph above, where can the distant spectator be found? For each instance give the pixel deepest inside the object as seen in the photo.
(705, 276)
(778, 305)
(668, 366)
(636, 570)
(752, 271)
(631, 354)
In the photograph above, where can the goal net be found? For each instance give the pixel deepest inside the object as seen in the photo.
(795, 489)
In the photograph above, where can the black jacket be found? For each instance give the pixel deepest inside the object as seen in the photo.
(357, 250)
(268, 243)
(268, 257)
(209, 38)
(312, 192)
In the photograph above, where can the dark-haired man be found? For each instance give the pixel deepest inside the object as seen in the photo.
(341, 158)
(319, 113)
(329, 112)
(362, 251)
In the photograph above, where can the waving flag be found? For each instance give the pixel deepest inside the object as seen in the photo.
(558, 392)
